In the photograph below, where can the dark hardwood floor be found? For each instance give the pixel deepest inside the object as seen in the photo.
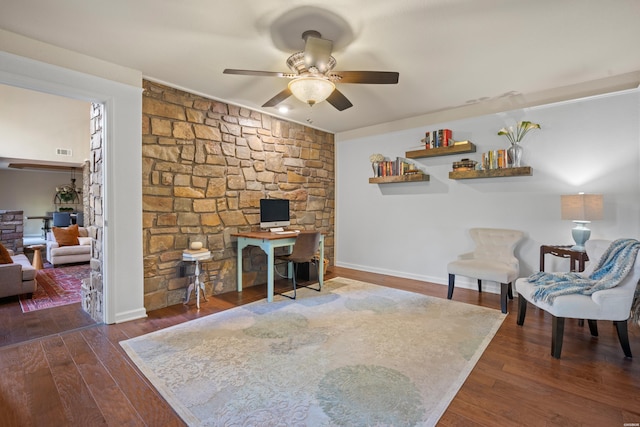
(17, 327)
(83, 377)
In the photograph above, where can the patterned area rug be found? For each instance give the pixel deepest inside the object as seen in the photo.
(355, 354)
(56, 286)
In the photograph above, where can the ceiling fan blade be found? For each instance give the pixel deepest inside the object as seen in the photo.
(339, 101)
(317, 53)
(278, 98)
(257, 73)
(368, 77)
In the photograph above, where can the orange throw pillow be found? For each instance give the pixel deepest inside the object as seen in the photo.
(66, 236)
(5, 258)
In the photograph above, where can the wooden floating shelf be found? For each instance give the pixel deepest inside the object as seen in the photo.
(468, 147)
(492, 173)
(415, 177)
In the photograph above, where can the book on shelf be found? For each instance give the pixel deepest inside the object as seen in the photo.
(196, 255)
(195, 251)
(451, 143)
(437, 139)
(444, 135)
(501, 159)
(494, 159)
(397, 167)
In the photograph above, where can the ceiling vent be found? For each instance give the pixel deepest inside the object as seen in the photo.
(64, 152)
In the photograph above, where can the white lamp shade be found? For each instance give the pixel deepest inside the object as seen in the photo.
(311, 89)
(581, 207)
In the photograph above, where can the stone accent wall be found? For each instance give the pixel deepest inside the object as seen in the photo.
(92, 288)
(206, 165)
(86, 180)
(12, 230)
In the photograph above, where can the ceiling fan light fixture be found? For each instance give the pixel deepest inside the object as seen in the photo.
(311, 89)
(312, 79)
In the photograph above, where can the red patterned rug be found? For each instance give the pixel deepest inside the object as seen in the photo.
(56, 286)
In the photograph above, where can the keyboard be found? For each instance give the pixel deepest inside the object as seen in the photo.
(286, 232)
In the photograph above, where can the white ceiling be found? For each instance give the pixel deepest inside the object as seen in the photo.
(449, 53)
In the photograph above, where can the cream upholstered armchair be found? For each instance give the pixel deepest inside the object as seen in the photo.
(492, 259)
(612, 304)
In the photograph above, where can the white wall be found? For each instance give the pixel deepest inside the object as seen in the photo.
(414, 229)
(32, 192)
(34, 124)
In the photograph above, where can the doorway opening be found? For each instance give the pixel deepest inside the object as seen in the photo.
(122, 241)
(67, 297)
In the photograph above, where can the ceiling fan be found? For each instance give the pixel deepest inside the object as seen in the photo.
(313, 79)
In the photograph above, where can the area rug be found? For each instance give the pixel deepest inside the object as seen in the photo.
(355, 354)
(56, 287)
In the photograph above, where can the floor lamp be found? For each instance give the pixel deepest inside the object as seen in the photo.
(581, 209)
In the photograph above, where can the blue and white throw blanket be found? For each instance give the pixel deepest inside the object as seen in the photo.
(612, 268)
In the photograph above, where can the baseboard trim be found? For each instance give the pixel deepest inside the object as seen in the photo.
(461, 281)
(130, 315)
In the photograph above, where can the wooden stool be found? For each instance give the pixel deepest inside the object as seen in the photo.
(37, 256)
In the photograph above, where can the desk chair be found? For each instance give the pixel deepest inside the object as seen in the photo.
(61, 219)
(79, 219)
(492, 259)
(304, 250)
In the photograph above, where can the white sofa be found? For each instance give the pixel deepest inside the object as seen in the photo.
(17, 278)
(57, 254)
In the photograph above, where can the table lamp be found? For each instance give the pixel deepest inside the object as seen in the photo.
(581, 209)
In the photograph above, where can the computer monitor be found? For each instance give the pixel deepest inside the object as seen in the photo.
(274, 213)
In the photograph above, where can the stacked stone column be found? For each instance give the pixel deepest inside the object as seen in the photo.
(12, 230)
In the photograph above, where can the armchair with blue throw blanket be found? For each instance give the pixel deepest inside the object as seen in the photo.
(606, 290)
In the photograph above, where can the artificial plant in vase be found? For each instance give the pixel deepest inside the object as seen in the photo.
(375, 160)
(515, 136)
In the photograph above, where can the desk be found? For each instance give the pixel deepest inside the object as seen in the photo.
(268, 241)
(564, 252)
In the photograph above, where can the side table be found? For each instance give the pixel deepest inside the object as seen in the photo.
(37, 256)
(564, 251)
(196, 256)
